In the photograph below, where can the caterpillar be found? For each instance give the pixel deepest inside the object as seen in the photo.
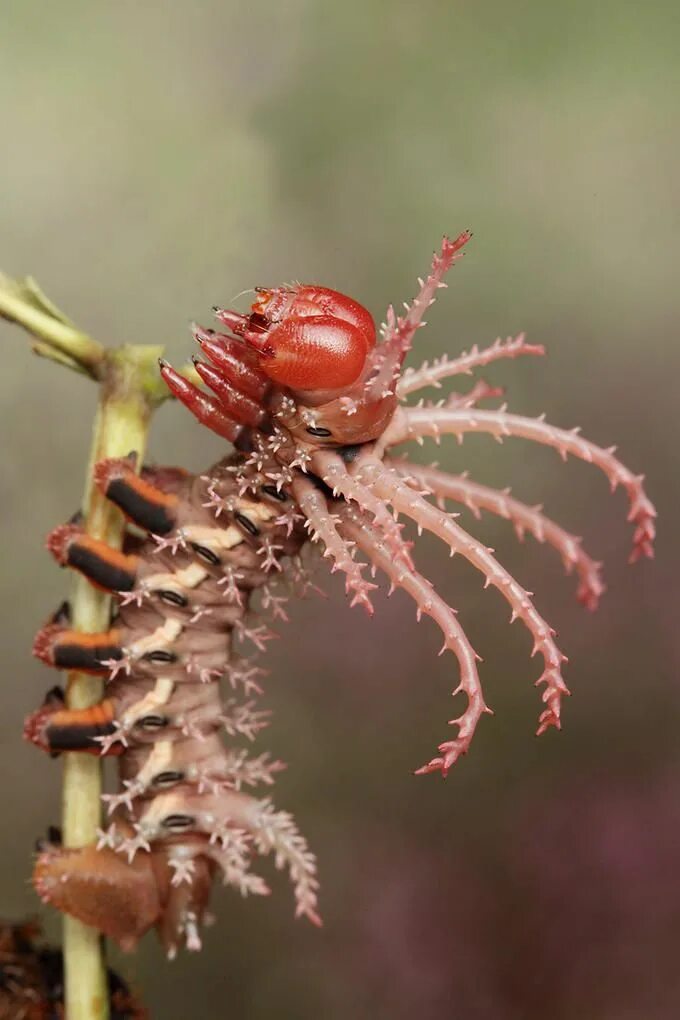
(315, 405)
(32, 979)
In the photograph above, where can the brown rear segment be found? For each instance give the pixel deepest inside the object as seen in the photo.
(104, 567)
(143, 503)
(101, 888)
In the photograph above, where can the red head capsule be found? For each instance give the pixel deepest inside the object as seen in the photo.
(310, 337)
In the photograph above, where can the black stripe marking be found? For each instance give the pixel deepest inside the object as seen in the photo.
(160, 655)
(173, 598)
(77, 656)
(144, 512)
(206, 554)
(274, 493)
(153, 722)
(350, 453)
(178, 823)
(106, 575)
(73, 737)
(247, 524)
(168, 778)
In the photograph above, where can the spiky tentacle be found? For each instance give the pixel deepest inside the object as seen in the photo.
(415, 423)
(405, 500)
(480, 391)
(477, 497)
(331, 468)
(232, 821)
(399, 330)
(443, 368)
(277, 833)
(427, 601)
(322, 527)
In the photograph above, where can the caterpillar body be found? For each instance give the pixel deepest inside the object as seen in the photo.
(314, 404)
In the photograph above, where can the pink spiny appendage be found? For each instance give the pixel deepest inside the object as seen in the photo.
(107, 742)
(259, 636)
(244, 719)
(443, 368)
(481, 390)
(270, 561)
(173, 543)
(417, 423)
(229, 585)
(243, 673)
(277, 833)
(477, 497)
(130, 791)
(240, 769)
(405, 500)
(323, 528)
(273, 603)
(300, 580)
(399, 331)
(331, 468)
(428, 602)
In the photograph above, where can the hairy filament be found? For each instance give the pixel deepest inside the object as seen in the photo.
(400, 330)
(427, 601)
(405, 500)
(443, 368)
(477, 497)
(436, 422)
(332, 470)
(323, 527)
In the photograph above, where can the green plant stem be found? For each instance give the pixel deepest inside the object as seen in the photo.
(130, 389)
(120, 426)
(22, 302)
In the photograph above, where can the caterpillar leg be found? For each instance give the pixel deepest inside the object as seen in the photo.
(104, 567)
(143, 502)
(107, 652)
(184, 909)
(100, 888)
(55, 728)
(62, 648)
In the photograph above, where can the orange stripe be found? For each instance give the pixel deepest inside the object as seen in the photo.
(75, 637)
(94, 715)
(109, 555)
(148, 491)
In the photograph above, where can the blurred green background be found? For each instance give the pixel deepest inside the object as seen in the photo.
(158, 158)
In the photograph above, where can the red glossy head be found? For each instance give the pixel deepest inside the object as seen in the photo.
(310, 338)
